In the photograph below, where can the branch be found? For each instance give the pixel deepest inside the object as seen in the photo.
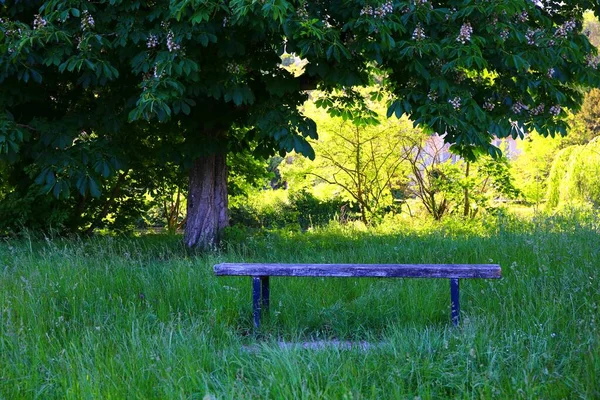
(336, 182)
(31, 128)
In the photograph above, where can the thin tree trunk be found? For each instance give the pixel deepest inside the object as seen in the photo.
(207, 202)
(172, 213)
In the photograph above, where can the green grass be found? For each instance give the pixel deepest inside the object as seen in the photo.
(141, 318)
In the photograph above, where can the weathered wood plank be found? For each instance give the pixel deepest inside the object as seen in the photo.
(362, 270)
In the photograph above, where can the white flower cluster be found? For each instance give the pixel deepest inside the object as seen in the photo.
(436, 63)
(156, 74)
(152, 41)
(494, 20)
(592, 61)
(87, 21)
(233, 68)
(302, 11)
(555, 110)
(432, 95)
(455, 102)
(523, 16)
(423, 3)
(518, 107)
(465, 33)
(452, 11)
(550, 73)
(39, 22)
(419, 33)
(530, 36)
(81, 46)
(379, 12)
(488, 105)
(537, 110)
(563, 30)
(171, 44)
(12, 32)
(504, 34)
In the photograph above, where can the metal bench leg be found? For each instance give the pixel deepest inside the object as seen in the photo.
(256, 306)
(455, 300)
(265, 293)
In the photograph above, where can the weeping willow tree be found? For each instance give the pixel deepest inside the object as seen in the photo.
(575, 176)
(557, 175)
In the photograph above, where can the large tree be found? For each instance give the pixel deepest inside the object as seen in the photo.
(94, 91)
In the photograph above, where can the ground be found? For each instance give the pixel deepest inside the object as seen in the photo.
(111, 317)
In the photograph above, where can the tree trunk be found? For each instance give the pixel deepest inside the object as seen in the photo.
(207, 202)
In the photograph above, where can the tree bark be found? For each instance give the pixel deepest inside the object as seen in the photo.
(207, 202)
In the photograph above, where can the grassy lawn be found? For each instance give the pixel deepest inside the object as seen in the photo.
(140, 318)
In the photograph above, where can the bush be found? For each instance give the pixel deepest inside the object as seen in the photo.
(312, 211)
(298, 210)
(32, 211)
(264, 209)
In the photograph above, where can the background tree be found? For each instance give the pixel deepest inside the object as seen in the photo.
(209, 73)
(538, 154)
(590, 113)
(363, 158)
(591, 27)
(446, 184)
(434, 180)
(489, 180)
(575, 176)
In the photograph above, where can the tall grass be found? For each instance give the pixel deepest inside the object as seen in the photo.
(142, 318)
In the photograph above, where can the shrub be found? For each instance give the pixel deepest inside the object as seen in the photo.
(312, 211)
(296, 210)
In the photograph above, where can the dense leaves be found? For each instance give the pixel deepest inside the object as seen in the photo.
(92, 91)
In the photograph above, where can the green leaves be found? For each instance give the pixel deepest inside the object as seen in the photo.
(337, 51)
(58, 183)
(277, 9)
(398, 108)
(86, 184)
(183, 106)
(517, 62)
(239, 95)
(49, 184)
(102, 69)
(187, 71)
(12, 137)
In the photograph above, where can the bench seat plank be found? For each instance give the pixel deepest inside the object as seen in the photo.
(452, 271)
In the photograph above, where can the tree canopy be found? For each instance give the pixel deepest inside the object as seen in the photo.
(92, 91)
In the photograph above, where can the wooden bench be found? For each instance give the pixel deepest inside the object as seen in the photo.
(260, 274)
